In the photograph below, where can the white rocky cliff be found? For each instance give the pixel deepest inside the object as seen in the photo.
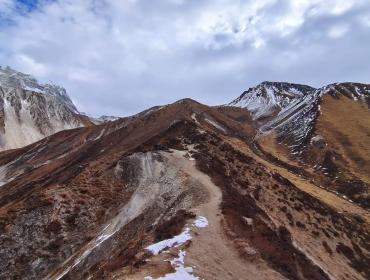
(30, 111)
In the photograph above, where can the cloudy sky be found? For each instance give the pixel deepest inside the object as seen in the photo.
(118, 57)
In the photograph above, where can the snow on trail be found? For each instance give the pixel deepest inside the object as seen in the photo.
(211, 254)
(181, 272)
(201, 222)
(175, 241)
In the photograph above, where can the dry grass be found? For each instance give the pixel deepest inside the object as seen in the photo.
(281, 152)
(345, 124)
(331, 199)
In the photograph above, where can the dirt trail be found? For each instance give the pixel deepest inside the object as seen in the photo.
(212, 254)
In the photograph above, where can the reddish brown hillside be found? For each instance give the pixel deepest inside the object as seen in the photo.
(335, 152)
(86, 203)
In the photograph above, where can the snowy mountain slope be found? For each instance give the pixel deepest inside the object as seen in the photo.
(13, 79)
(290, 110)
(326, 133)
(295, 123)
(30, 111)
(269, 98)
(104, 118)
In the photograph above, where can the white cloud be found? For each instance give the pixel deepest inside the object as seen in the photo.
(30, 65)
(338, 31)
(118, 57)
(6, 6)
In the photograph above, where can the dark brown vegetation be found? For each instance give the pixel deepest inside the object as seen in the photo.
(73, 183)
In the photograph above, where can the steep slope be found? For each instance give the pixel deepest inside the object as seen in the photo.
(269, 98)
(11, 78)
(30, 111)
(149, 196)
(326, 133)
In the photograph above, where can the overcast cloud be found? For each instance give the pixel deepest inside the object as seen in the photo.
(120, 57)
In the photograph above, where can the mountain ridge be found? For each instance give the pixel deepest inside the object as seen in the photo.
(306, 133)
(100, 195)
(188, 190)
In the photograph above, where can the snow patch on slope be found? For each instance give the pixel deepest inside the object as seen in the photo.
(201, 222)
(175, 241)
(181, 272)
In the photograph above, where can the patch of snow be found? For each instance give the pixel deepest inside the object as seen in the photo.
(175, 241)
(33, 89)
(295, 91)
(201, 222)
(104, 119)
(181, 273)
(358, 92)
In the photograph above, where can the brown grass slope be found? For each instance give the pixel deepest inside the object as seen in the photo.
(338, 157)
(59, 194)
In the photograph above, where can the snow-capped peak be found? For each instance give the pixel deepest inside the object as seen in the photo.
(31, 111)
(105, 118)
(269, 98)
(11, 78)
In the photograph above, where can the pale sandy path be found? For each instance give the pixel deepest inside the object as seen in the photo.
(212, 254)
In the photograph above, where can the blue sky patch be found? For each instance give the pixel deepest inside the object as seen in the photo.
(27, 5)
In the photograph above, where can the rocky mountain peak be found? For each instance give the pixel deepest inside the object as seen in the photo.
(11, 78)
(355, 91)
(30, 111)
(269, 98)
